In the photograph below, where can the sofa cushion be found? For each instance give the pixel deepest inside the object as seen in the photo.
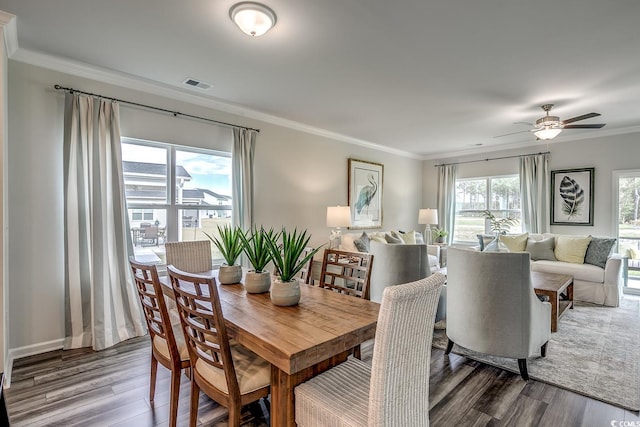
(408, 237)
(362, 242)
(516, 243)
(585, 272)
(598, 251)
(571, 248)
(541, 249)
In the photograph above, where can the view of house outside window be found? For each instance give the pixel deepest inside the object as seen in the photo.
(499, 194)
(199, 201)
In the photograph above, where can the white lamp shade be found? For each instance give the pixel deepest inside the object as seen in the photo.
(253, 19)
(338, 216)
(428, 216)
(547, 133)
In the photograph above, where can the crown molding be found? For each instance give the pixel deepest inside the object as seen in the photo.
(80, 69)
(8, 25)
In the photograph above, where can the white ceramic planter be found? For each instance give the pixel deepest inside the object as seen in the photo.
(285, 293)
(257, 283)
(229, 274)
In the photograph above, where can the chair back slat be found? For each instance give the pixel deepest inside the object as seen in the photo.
(202, 322)
(346, 272)
(305, 273)
(191, 256)
(153, 304)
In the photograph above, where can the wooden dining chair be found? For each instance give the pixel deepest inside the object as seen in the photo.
(231, 375)
(305, 274)
(190, 256)
(394, 389)
(168, 344)
(346, 272)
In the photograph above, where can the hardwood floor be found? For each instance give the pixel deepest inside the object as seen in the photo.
(111, 388)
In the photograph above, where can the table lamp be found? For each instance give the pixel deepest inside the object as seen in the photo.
(428, 217)
(337, 216)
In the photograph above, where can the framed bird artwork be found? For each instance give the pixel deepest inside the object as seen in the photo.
(572, 196)
(365, 193)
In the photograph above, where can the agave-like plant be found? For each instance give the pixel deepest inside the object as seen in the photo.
(286, 254)
(229, 243)
(256, 247)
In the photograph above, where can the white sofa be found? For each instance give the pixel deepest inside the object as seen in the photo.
(591, 283)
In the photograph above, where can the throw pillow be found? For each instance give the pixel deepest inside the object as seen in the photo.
(362, 242)
(541, 249)
(377, 237)
(409, 237)
(571, 248)
(392, 239)
(634, 254)
(347, 243)
(598, 251)
(515, 243)
(397, 235)
(418, 237)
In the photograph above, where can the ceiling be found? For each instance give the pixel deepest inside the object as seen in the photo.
(422, 77)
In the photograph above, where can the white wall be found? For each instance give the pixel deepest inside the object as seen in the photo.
(605, 154)
(297, 176)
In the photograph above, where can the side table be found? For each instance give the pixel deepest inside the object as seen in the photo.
(443, 254)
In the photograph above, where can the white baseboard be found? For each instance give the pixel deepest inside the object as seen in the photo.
(29, 350)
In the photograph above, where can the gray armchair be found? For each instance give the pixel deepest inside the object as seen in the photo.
(492, 308)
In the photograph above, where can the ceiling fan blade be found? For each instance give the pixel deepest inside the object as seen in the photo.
(591, 126)
(512, 133)
(582, 117)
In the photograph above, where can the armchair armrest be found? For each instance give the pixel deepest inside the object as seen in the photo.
(434, 250)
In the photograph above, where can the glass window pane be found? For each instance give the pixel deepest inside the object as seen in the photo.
(204, 179)
(505, 200)
(194, 223)
(145, 174)
(471, 200)
(149, 234)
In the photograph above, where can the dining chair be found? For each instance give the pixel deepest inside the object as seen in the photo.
(346, 272)
(190, 256)
(230, 374)
(394, 389)
(305, 274)
(168, 344)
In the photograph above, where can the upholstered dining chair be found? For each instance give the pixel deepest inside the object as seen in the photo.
(231, 375)
(190, 256)
(168, 345)
(394, 390)
(492, 307)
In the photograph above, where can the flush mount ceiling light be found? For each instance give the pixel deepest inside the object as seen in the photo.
(252, 18)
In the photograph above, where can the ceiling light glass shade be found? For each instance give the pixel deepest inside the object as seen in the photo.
(253, 19)
(547, 133)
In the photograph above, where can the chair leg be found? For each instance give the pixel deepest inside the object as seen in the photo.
(154, 371)
(175, 395)
(195, 397)
(543, 349)
(522, 364)
(449, 347)
(234, 415)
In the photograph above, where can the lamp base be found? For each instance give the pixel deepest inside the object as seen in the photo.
(335, 239)
(427, 235)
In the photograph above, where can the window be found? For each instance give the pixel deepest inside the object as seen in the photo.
(501, 195)
(199, 201)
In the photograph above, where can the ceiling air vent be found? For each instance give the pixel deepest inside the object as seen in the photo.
(193, 83)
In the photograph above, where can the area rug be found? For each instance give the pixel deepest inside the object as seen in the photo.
(594, 353)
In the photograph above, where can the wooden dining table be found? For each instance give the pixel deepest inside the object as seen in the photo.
(299, 341)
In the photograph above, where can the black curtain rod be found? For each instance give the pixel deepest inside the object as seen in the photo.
(494, 158)
(174, 113)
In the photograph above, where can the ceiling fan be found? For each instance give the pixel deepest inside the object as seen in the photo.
(548, 127)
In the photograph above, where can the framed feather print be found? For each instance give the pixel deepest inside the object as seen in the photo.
(365, 193)
(572, 196)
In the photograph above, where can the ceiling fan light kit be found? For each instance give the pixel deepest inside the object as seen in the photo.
(547, 133)
(253, 19)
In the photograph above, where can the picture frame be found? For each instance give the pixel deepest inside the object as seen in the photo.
(572, 196)
(365, 193)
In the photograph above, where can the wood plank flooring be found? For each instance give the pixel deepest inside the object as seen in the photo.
(111, 388)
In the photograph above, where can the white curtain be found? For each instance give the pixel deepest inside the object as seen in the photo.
(244, 146)
(101, 307)
(447, 198)
(534, 190)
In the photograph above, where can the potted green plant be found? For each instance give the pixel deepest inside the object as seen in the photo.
(229, 243)
(256, 247)
(286, 254)
(498, 226)
(439, 234)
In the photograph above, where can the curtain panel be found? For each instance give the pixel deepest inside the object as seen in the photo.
(447, 198)
(242, 156)
(101, 307)
(534, 190)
